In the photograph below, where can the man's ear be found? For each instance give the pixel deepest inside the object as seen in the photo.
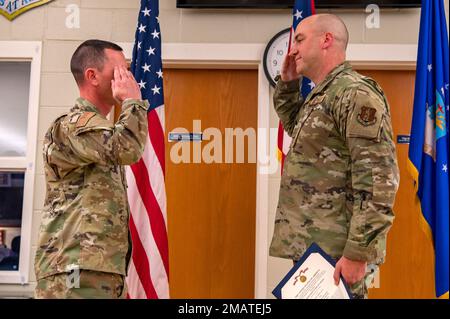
(327, 40)
(90, 76)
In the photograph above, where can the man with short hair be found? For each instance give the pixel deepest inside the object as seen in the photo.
(340, 175)
(84, 245)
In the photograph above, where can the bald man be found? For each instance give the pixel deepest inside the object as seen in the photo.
(340, 175)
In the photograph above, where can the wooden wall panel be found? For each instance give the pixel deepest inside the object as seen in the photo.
(211, 207)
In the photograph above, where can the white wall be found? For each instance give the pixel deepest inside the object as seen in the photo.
(115, 20)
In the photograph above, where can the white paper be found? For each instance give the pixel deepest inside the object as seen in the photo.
(314, 280)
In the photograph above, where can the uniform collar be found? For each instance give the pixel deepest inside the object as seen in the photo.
(344, 66)
(81, 104)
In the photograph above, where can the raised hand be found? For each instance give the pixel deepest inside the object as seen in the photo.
(288, 69)
(124, 86)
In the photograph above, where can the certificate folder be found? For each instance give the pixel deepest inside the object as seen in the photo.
(312, 278)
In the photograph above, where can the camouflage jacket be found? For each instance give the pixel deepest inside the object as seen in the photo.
(340, 175)
(85, 219)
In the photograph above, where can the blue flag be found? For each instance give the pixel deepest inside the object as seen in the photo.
(303, 9)
(146, 65)
(428, 151)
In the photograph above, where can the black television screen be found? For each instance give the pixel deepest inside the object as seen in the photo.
(289, 3)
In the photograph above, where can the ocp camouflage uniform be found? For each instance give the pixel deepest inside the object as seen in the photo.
(85, 219)
(340, 175)
(82, 284)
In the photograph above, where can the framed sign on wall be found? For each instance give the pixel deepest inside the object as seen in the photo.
(13, 8)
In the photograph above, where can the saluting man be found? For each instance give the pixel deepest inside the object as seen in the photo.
(84, 245)
(340, 175)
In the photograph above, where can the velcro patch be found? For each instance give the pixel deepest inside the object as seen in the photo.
(84, 119)
(367, 118)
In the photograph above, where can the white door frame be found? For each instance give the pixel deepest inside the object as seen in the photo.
(250, 56)
(29, 51)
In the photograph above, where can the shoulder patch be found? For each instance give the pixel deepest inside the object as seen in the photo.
(84, 119)
(366, 117)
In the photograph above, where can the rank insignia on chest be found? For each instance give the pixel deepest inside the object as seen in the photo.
(13, 8)
(367, 116)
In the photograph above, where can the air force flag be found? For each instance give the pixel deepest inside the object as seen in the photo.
(429, 148)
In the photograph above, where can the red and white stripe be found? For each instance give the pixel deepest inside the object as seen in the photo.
(148, 275)
(284, 142)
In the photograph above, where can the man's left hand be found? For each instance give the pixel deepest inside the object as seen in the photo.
(352, 271)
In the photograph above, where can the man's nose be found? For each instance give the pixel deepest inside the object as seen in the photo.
(293, 51)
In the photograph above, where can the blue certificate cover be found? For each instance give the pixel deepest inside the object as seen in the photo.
(314, 248)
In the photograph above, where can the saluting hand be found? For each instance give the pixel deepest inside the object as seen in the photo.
(289, 69)
(124, 85)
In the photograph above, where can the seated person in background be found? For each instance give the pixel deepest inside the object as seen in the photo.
(9, 258)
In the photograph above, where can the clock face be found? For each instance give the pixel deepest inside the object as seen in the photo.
(275, 53)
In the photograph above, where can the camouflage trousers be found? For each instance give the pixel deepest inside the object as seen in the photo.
(360, 290)
(87, 285)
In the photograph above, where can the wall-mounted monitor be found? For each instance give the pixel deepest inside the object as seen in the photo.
(279, 4)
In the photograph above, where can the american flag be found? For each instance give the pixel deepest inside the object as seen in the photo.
(301, 10)
(148, 275)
